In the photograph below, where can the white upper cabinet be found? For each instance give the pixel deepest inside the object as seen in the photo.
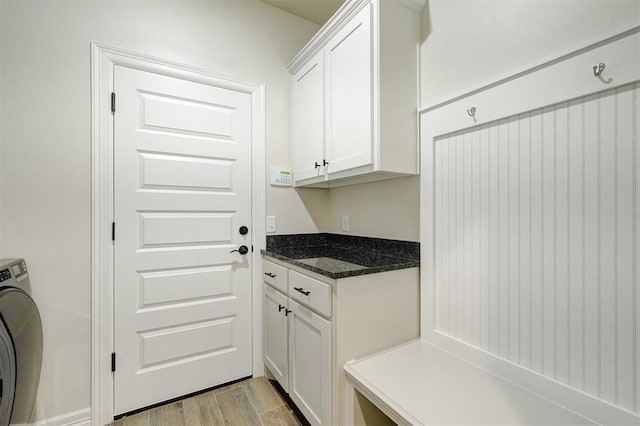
(308, 118)
(349, 95)
(355, 96)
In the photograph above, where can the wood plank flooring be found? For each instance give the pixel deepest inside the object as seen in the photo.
(250, 402)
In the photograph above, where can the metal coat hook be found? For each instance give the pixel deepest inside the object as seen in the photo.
(597, 69)
(597, 72)
(472, 113)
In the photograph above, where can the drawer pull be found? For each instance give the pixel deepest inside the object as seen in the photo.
(269, 274)
(301, 290)
(280, 307)
(287, 312)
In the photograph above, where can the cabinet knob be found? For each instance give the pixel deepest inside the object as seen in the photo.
(269, 274)
(287, 312)
(280, 308)
(301, 290)
(325, 162)
(317, 165)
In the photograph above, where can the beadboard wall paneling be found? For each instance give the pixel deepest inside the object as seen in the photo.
(536, 241)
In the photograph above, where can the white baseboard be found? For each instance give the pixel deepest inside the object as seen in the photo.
(75, 418)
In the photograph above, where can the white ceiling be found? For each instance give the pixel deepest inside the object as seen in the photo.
(318, 11)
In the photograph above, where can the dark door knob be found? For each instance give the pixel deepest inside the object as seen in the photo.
(317, 165)
(243, 230)
(241, 250)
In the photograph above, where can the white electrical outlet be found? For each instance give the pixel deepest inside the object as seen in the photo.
(271, 224)
(345, 223)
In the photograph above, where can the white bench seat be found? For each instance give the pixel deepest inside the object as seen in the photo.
(420, 384)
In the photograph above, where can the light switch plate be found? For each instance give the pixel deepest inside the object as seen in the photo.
(271, 224)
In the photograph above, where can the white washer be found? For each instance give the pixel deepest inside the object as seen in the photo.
(20, 344)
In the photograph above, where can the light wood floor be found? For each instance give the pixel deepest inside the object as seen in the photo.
(251, 402)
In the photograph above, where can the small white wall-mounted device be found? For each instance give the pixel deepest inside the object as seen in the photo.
(345, 223)
(281, 176)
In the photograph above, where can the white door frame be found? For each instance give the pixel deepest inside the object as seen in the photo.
(103, 60)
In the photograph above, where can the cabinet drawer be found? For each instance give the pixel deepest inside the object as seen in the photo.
(275, 275)
(310, 292)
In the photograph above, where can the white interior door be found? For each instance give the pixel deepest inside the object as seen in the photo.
(182, 189)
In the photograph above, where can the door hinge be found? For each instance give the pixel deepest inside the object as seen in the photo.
(113, 362)
(113, 102)
(113, 231)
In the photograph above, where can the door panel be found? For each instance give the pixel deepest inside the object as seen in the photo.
(177, 285)
(350, 95)
(185, 341)
(173, 114)
(310, 363)
(164, 229)
(182, 189)
(308, 119)
(162, 171)
(276, 329)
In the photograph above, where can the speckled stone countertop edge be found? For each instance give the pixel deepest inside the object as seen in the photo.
(337, 275)
(356, 244)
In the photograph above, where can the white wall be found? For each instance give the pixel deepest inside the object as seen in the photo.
(385, 209)
(468, 43)
(45, 172)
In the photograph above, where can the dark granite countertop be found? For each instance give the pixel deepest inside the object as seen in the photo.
(340, 256)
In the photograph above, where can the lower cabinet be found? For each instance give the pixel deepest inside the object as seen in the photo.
(297, 351)
(276, 335)
(310, 363)
(313, 325)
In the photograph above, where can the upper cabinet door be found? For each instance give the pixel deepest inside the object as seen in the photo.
(308, 119)
(349, 55)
